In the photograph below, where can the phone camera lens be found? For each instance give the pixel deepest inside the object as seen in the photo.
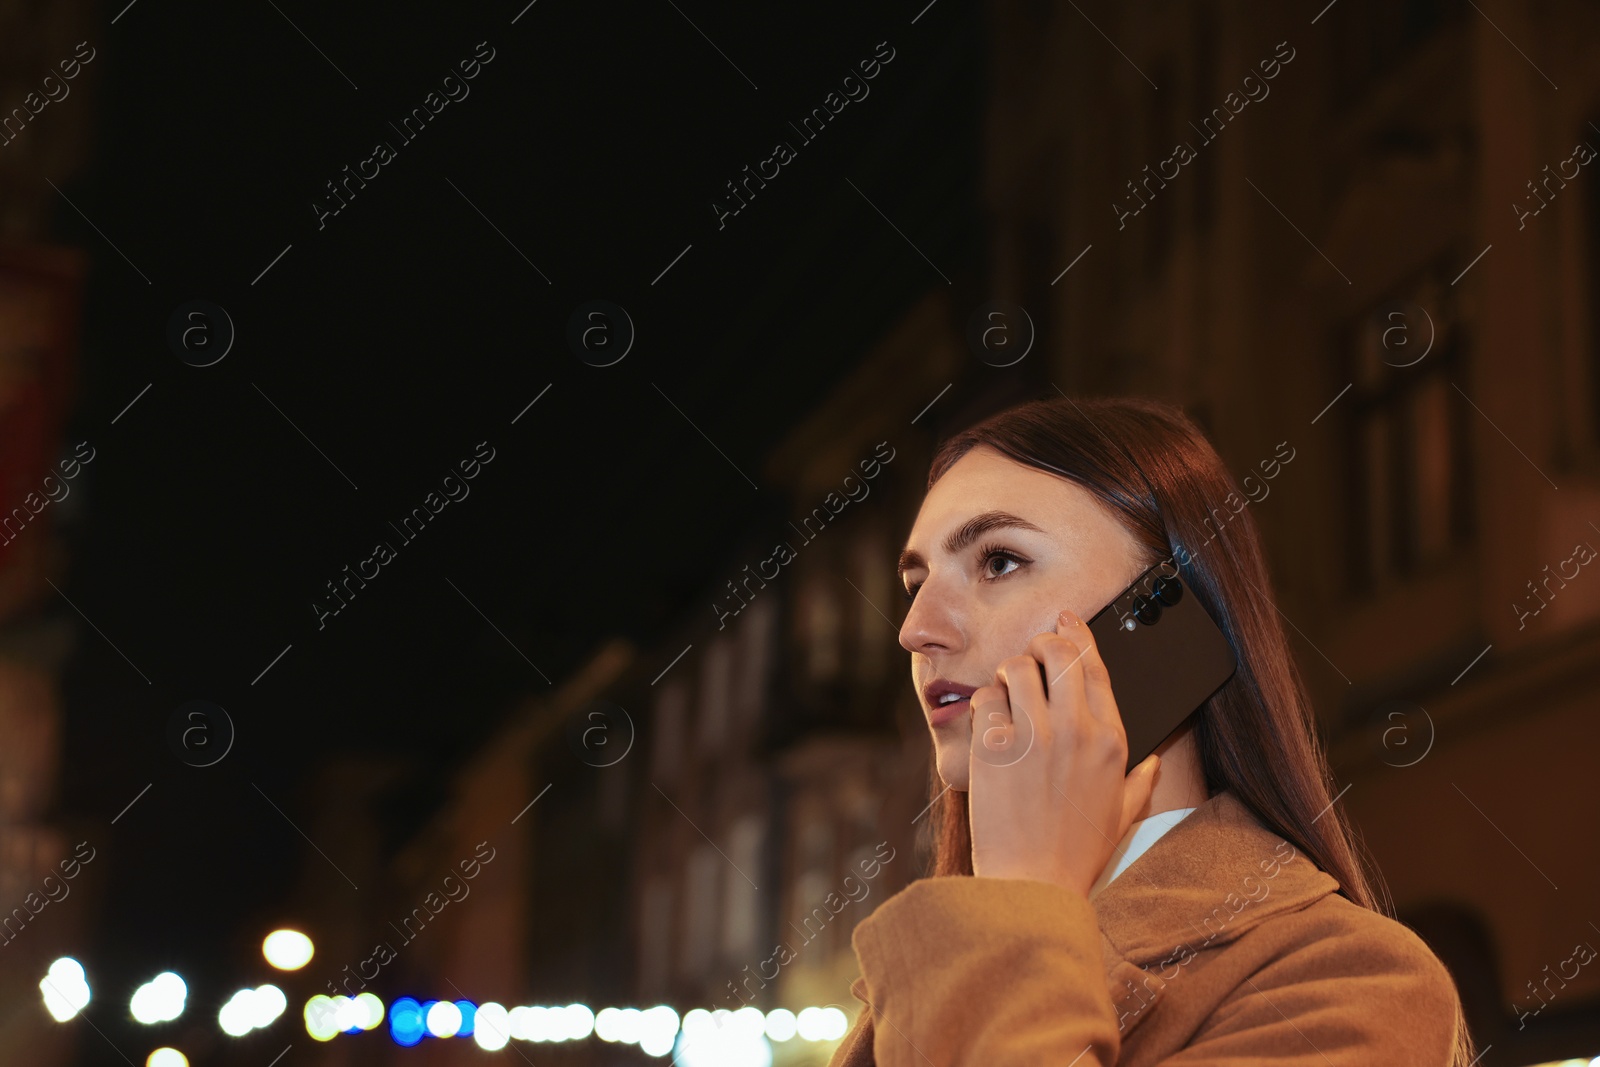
(1146, 610)
(1168, 590)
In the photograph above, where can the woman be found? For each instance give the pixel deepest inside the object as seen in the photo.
(1056, 928)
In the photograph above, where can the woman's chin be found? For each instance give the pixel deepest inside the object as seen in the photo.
(955, 773)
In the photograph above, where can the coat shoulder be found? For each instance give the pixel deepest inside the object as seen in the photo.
(1337, 938)
(1374, 932)
(1334, 983)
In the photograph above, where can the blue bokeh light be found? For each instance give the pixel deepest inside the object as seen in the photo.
(406, 1024)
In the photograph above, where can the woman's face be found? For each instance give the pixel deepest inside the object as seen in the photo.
(998, 549)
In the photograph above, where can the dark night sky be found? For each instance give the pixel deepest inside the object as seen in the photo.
(405, 332)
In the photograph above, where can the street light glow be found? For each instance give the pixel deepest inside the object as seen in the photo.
(159, 1000)
(65, 989)
(287, 950)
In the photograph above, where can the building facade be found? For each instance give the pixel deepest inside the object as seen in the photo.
(1366, 238)
(1369, 232)
(43, 914)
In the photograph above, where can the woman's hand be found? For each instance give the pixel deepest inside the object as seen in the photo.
(1048, 798)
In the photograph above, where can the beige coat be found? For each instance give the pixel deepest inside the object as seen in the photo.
(1221, 944)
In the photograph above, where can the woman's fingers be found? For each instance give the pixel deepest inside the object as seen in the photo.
(1061, 656)
(1024, 686)
(991, 722)
(1136, 790)
(1006, 716)
(1092, 669)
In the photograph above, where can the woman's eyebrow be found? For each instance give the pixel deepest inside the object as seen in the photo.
(967, 533)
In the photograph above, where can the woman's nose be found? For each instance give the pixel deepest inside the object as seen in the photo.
(932, 623)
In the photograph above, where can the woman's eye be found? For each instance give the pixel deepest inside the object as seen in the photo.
(995, 563)
(1000, 564)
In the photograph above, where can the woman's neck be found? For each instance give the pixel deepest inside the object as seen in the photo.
(1180, 780)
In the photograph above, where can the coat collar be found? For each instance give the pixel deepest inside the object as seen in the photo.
(1216, 875)
(1211, 878)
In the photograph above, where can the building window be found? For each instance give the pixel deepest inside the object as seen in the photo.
(655, 936)
(821, 628)
(875, 629)
(667, 726)
(812, 921)
(716, 678)
(700, 905)
(809, 917)
(742, 913)
(758, 636)
(1407, 434)
(612, 807)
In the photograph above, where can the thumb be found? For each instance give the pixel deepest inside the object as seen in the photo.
(1136, 790)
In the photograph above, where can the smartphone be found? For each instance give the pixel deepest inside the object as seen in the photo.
(1165, 655)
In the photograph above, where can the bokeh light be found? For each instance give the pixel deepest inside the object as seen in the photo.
(406, 1025)
(491, 1026)
(822, 1024)
(443, 1019)
(719, 1039)
(780, 1024)
(159, 1000)
(65, 989)
(369, 1013)
(321, 1018)
(251, 1009)
(287, 950)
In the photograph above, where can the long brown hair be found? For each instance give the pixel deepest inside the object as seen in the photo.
(1257, 736)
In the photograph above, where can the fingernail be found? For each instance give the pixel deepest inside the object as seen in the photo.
(1067, 618)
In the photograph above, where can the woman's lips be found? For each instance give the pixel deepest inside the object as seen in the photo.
(940, 712)
(943, 713)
